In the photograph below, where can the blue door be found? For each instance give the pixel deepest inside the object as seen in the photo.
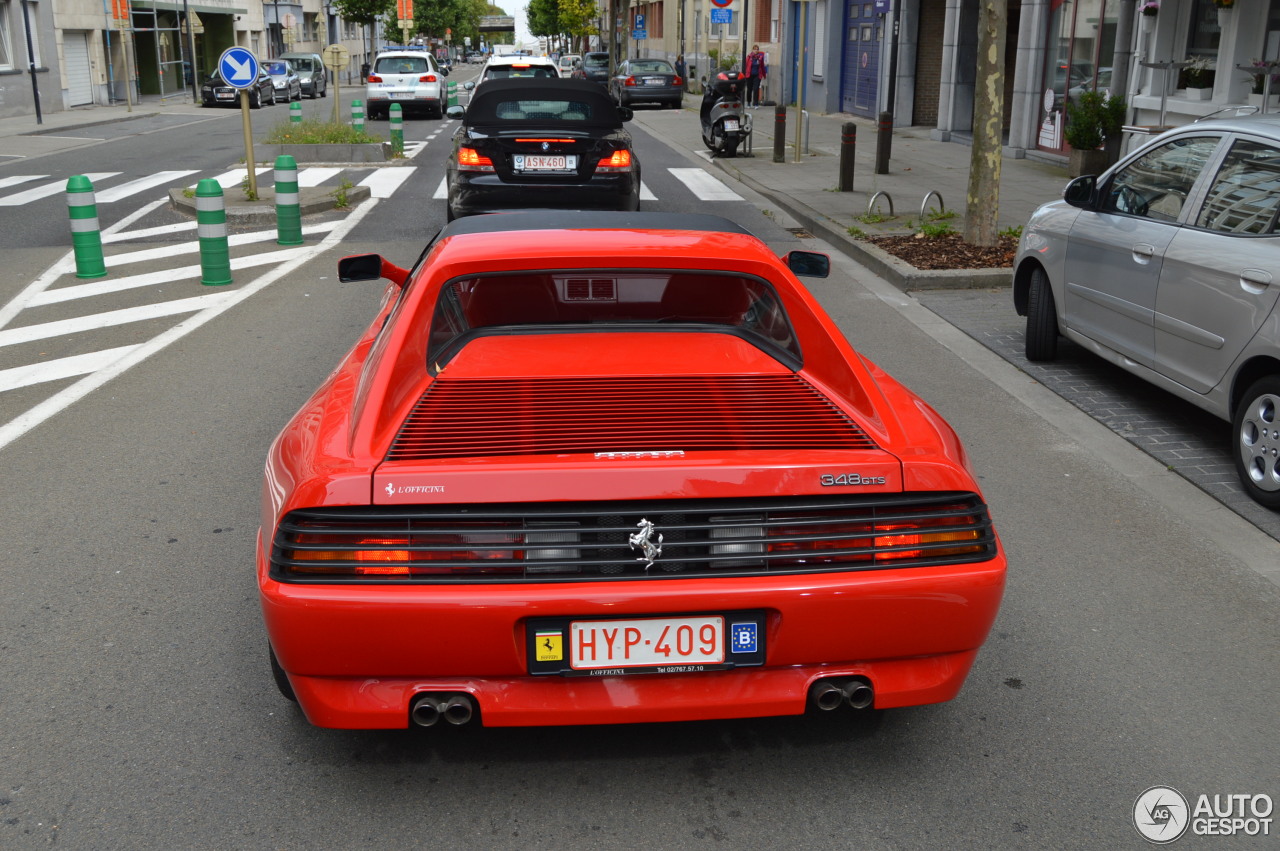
(860, 61)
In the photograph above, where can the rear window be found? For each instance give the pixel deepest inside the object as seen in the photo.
(596, 60)
(276, 68)
(401, 65)
(543, 110)
(654, 66)
(747, 306)
(304, 64)
(516, 71)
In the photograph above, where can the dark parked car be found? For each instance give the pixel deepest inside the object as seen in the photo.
(215, 92)
(594, 67)
(1166, 266)
(285, 78)
(541, 142)
(647, 81)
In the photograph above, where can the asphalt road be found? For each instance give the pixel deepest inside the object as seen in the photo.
(1137, 645)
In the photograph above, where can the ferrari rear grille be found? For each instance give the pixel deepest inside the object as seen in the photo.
(630, 540)
(538, 416)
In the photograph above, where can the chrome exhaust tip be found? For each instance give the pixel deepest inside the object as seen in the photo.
(458, 709)
(858, 693)
(425, 711)
(826, 695)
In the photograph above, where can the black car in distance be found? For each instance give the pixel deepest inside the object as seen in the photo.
(527, 143)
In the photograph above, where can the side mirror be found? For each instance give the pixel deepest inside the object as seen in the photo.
(626, 113)
(469, 85)
(370, 267)
(1080, 192)
(444, 69)
(455, 112)
(811, 264)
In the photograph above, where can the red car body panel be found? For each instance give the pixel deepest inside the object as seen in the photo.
(357, 653)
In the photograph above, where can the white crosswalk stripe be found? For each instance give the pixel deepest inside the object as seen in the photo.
(6, 182)
(133, 187)
(29, 195)
(60, 368)
(705, 186)
(385, 181)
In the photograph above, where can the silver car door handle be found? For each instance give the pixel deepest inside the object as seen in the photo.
(1255, 281)
(1144, 252)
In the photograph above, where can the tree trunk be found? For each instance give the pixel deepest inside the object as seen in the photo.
(982, 213)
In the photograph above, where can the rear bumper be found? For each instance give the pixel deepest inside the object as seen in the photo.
(486, 193)
(356, 654)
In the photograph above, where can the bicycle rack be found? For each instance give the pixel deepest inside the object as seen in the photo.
(871, 205)
(924, 205)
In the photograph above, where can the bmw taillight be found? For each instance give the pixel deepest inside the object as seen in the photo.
(373, 78)
(469, 159)
(619, 161)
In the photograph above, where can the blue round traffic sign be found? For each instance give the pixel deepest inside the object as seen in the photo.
(238, 67)
(722, 4)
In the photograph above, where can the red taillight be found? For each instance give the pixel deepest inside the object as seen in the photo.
(373, 78)
(630, 81)
(677, 81)
(470, 160)
(427, 78)
(619, 161)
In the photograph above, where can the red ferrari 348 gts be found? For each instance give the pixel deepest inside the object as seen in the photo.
(615, 467)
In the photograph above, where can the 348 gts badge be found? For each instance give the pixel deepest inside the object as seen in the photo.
(849, 480)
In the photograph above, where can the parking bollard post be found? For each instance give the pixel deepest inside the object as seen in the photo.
(453, 94)
(86, 238)
(848, 147)
(295, 113)
(884, 142)
(357, 115)
(211, 228)
(288, 209)
(779, 133)
(397, 129)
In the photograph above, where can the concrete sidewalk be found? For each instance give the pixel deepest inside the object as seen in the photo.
(808, 189)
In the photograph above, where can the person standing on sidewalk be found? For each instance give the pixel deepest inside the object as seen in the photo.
(682, 71)
(757, 69)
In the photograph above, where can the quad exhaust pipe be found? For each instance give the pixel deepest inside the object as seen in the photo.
(428, 709)
(832, 694)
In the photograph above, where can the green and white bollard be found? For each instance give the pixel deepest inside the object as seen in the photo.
(453, 95)
(397, 129)
(295, 113)
(86, 238)
(211, 228)
(288, 210)
(357, 115)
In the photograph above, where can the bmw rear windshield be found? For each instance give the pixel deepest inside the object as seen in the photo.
(567, 102)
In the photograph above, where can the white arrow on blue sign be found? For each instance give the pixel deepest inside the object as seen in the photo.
(238, 67)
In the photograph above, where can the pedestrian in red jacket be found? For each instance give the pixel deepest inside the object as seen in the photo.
(757, 70)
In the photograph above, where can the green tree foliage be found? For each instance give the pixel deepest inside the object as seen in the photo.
(578, 20)
(364, 12)
(543, 17)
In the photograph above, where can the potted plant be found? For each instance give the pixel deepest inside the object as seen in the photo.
(1225, 8)
(1197, 78)
(1259, 69)
(1086, 120)
(1149, 10)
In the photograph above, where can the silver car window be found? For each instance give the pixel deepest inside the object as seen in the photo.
(1156, 185)
(1245, 195)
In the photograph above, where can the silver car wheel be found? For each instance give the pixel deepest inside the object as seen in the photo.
(1258, 435)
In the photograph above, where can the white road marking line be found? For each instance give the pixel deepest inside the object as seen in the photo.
(384, 181)
(166, 276)
(68, 396)
(133, 187)
(50, 189)
(703, 185)
(316, 176)
(162, 230)
(235, 239)
(442, 191)
(60, 368)
(20, 178)
(111, 318)
(646, 194)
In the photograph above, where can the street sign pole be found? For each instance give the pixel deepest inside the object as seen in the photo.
(239, 68)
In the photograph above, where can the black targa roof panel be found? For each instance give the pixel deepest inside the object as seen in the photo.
(497, 101)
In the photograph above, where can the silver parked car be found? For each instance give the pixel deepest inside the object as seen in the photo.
(1168, 265)
(410, 78)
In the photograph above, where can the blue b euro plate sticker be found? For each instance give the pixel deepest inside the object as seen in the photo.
(742, 637)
